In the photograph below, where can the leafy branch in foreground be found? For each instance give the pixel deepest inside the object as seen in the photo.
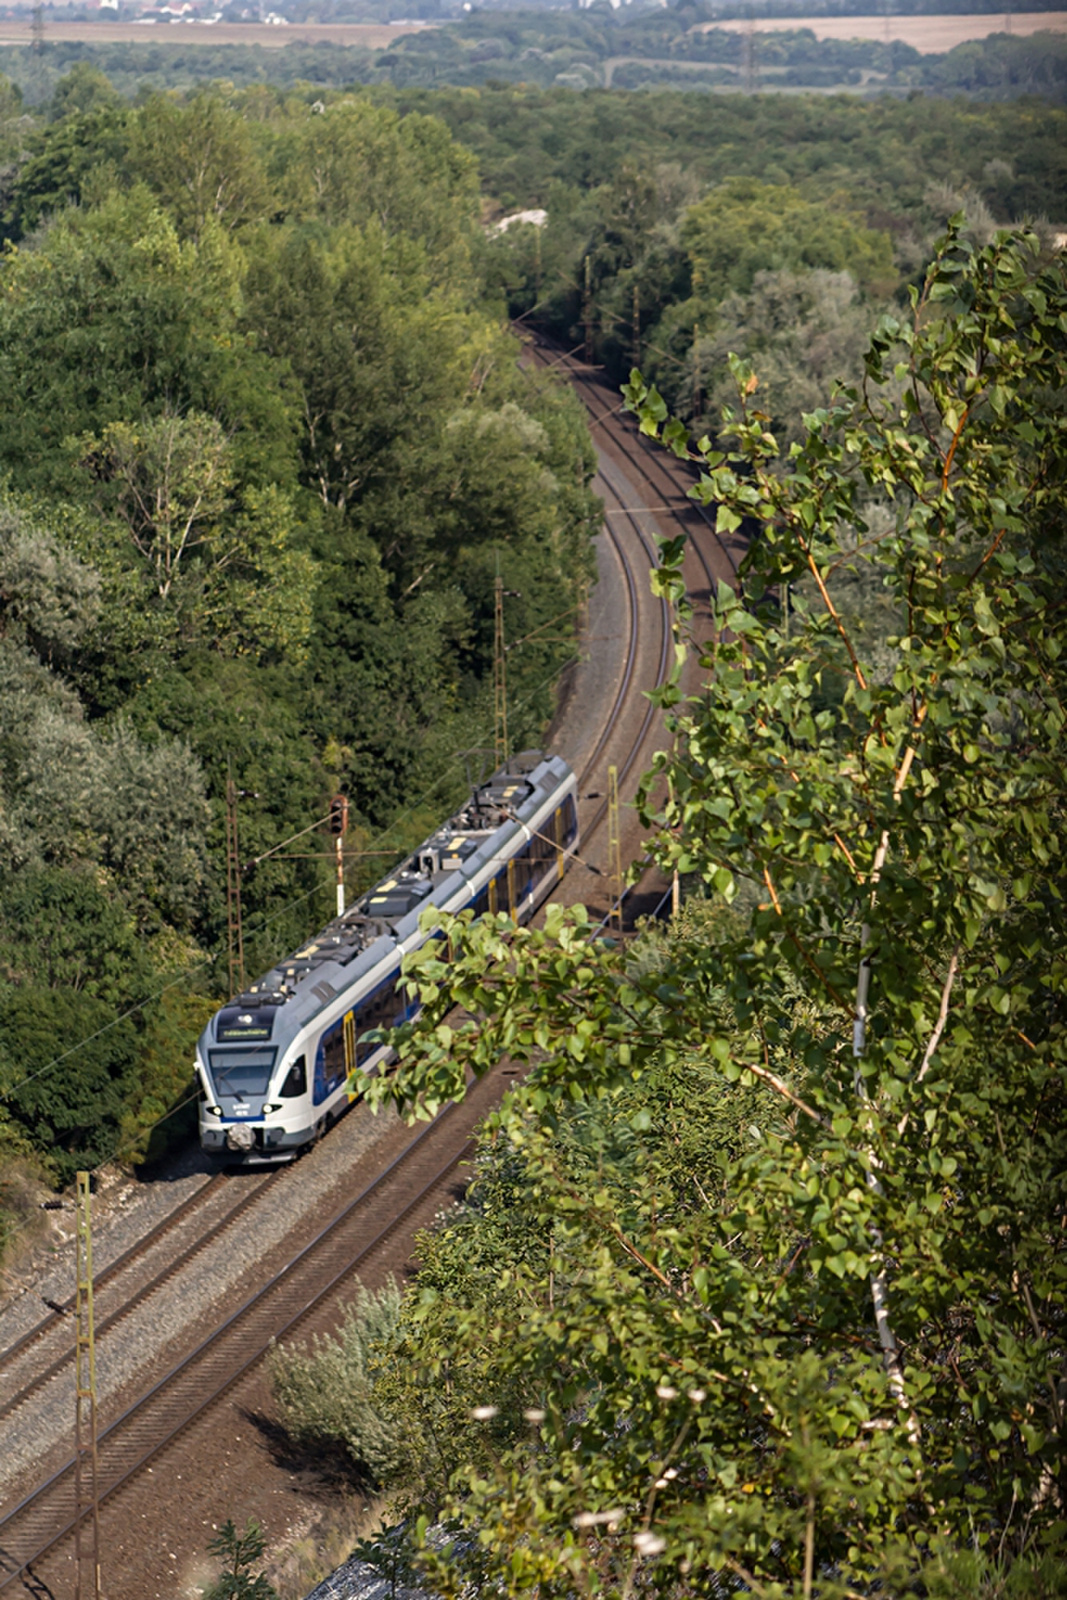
(843, 1368)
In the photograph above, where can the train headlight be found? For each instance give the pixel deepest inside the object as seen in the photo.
(273, 1105)
(214, 1111)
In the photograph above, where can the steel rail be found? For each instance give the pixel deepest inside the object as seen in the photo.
(135, 1253)
(42, 1504)
(606, 471)
(582, 377)
(47, 1324)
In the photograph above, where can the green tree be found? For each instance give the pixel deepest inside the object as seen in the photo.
(805, 332)
(66, 1063)
(48, 598)
(221, 562)
(743, 226)
(112, 316)
(240, 1552)
(85, 88)
(67, 158)
(847, 1372)
(201, 161)
(363, 165)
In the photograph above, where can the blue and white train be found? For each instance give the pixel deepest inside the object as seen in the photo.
(276, 1065)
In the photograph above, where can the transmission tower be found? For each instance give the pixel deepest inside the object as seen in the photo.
(614, 850)
(234, 929)
(749, 68)
(37, 30)
(86, 1492)
(637, 325)
(500, 680)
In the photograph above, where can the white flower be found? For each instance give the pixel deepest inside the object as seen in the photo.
(697, 1395)
(665, 1391)
(484, 1413)
(661, 1483)
(671, 1472)
(534, 1415)
(598, 1519)
(649, 1544)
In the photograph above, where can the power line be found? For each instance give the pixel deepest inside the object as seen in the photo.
(210, 960)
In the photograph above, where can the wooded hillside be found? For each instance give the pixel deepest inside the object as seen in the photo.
(264, 446)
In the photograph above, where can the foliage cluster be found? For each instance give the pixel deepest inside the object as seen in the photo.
(632, 48)
(264, 444)
(778, 228)
(770, 1249)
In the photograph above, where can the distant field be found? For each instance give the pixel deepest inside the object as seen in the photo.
(371, 35)
(928, 35)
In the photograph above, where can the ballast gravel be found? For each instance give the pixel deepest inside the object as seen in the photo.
(308, 1188)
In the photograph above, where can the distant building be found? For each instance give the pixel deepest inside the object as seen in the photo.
(536, 219)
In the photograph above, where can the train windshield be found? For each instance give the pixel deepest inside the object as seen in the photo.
(242, 1072)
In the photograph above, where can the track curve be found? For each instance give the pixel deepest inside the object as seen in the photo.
(642, 499)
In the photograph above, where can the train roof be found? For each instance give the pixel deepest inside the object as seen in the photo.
(354, 943)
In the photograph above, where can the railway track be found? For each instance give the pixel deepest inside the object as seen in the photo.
(278, 1307)
(130, 1275)
(38, 1528)
(642, 483)
(716, 557)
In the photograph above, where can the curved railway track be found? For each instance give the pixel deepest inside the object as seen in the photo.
(314, 1269)
(666, 474)
(616, 491)
(627, 462)
(38, 1525)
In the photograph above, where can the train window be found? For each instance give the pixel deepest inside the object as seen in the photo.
(296, 1080)
(570, 821)
(542, 850)
(383, 1009)
(522, 875)
(241, 1071)
(334, 1067)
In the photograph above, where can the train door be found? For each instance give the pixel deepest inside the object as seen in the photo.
(558, 831)
(512, 911)
(492, 897)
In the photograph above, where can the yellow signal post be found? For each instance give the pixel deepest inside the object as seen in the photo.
(614, 851)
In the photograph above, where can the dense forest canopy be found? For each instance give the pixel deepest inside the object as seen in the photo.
(264, 444)
(264, 447)
(761, 1285)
